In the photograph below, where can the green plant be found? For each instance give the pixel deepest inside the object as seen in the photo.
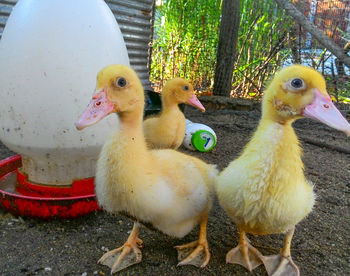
(186, 39)
(186, 36)
(262, 46)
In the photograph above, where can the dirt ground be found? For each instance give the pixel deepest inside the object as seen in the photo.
(321, 245)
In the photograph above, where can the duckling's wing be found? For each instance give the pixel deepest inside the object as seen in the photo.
(186, 174)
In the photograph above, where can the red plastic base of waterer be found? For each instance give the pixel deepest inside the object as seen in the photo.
(23, 198)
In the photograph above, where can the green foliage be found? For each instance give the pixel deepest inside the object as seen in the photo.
(338, 88)
(263, 37)
(186, 39)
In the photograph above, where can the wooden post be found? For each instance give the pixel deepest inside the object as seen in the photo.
(227, 47)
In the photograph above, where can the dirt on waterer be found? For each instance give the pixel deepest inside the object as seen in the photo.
(23, 198)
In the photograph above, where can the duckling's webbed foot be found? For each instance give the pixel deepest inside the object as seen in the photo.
(127, 255)
(282, 264)
(278, 265)
(195, 253)
(244, 254)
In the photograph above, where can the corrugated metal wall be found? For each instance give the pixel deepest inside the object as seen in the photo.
(5, 10)
(134, 19)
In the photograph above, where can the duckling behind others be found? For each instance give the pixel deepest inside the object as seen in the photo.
(264, 190)
(167, 189)
(167, 130)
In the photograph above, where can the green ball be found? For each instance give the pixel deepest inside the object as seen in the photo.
(203, 140)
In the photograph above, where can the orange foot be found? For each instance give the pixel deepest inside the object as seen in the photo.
(282, 264)
(244, 254)
(200, 255)
(278, 265)
(127, 255)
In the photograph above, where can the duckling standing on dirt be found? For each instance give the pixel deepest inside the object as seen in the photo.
(167, 130)
(170, 190)
(264, 190)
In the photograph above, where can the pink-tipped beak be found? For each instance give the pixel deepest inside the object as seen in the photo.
(323, 110)
(195, 102)
(98, 108)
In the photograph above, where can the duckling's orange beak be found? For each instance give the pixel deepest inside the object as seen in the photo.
(98, 108)
(195, 102)
(323, 110)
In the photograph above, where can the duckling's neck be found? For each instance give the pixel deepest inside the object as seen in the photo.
(169, 101)
(126, 154)
(170, 106)
(277, 137)
(274, 148)
(130, 134)
(131, 120)
(170, 109)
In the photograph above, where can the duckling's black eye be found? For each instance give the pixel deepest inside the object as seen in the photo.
(297, 83)
(186, 88)
(121, 82)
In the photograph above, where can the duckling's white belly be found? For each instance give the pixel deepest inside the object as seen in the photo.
(263, 205)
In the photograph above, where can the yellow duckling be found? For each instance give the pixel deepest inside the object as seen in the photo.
(167, 130)
(264, 191)
(167, 189)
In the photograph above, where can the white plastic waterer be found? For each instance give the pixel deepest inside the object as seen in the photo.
(50, 53)
(199, 137)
